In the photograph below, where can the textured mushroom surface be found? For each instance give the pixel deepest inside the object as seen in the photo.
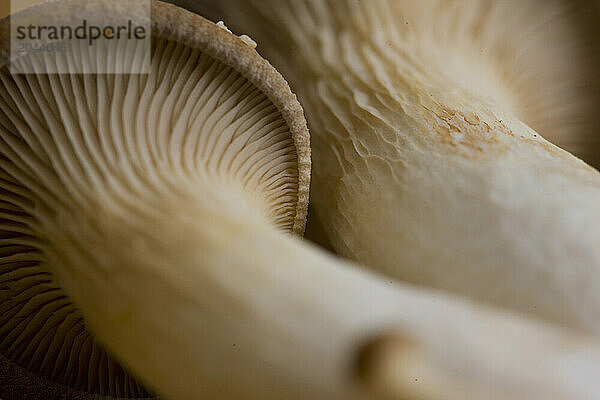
(423, 166)
(159, 209)
(105, 143)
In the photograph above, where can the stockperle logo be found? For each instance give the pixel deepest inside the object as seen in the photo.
(81, 40)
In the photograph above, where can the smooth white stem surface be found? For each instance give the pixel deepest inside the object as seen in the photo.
(422, 169)
(202, 298)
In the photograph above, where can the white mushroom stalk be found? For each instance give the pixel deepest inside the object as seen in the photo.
(202, 298)
(161, 204)
(423, 168)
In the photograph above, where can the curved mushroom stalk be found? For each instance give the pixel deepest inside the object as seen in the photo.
(422, 166)
(202, 298)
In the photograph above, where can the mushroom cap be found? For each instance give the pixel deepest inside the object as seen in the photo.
(54, 156)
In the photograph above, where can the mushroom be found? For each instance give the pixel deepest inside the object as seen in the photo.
(161, 205)
(211, 116)
(204, 299)
(424, 165)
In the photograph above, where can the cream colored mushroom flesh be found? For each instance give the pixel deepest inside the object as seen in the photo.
(162, 204)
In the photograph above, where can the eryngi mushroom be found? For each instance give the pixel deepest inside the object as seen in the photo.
(161, 205)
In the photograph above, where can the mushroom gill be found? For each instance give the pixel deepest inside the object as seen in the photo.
(211, 115)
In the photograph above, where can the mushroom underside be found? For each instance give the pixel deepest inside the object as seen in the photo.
(69, 142)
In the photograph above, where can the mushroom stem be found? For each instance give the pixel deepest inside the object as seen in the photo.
(423, 168)
(203, 298)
